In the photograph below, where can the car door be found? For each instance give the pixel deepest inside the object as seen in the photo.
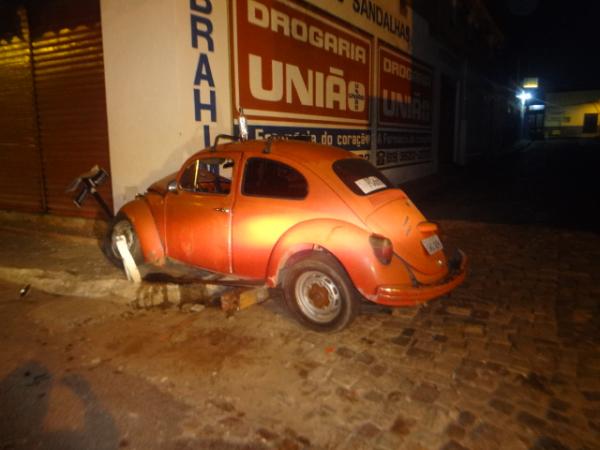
(198, 213)
(271, 201)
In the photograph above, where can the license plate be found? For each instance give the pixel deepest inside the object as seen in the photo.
(432, 244)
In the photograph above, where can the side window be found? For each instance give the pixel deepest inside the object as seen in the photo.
(267, 178)
(209, 175)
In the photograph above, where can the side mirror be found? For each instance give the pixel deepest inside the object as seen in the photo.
(172, 186)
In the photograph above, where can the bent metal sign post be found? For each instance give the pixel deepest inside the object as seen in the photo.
(297, 72)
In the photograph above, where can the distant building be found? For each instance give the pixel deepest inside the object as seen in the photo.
(572, 114)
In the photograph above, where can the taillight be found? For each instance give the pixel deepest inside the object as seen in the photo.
(382, 247)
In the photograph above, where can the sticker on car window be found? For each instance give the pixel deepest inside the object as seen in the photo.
(369, 184)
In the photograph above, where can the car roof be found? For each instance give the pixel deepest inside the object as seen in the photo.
(305, 153)
(315, 157)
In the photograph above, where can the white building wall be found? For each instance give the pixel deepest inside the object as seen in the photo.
(149, 73)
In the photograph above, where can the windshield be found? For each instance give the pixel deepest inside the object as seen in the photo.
(361, 176)
(207, 175)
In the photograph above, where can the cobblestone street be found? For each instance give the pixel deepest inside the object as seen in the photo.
(509, 360)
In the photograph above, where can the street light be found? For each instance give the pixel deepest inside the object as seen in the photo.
(524, 96)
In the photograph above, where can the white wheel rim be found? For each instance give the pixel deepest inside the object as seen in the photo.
(318, 296)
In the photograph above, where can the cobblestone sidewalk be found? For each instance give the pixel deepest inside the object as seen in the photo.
(509, 361)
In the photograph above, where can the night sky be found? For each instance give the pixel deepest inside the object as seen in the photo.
(557, 41)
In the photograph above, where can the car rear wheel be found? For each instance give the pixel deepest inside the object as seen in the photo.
(319, 293)
(121, 225)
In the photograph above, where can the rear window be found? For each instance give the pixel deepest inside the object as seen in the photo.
(360, 176)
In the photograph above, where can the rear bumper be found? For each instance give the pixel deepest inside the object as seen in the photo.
(402, 295)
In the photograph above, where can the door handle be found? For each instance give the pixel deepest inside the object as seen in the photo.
(223, 210)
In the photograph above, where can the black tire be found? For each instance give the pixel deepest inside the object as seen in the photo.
(122, 225)
(319, 293)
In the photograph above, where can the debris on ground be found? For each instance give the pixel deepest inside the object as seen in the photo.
(197, 308)
(24, 290)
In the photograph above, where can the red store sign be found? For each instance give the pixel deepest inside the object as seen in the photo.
(405, 90)
(294, 64)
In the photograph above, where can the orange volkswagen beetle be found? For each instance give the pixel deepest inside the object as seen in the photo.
(321, 223)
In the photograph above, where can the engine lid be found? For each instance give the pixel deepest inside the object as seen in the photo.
(400, 221)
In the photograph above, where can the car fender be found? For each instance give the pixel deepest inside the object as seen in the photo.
(348, 243)
(139, 213)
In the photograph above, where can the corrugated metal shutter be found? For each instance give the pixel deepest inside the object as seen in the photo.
(71, 102)
(20, 165)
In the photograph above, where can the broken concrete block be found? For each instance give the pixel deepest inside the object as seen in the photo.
(241, 298)
(253, 296)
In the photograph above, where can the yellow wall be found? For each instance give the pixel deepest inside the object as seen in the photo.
(569, 115)
(565, 111)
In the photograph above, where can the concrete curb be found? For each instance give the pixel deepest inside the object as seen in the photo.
(85, 240)
(77, 239)
(122, 291)
(92, 228)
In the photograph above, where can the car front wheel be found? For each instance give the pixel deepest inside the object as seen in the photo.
(319, 293)
(121, 225)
